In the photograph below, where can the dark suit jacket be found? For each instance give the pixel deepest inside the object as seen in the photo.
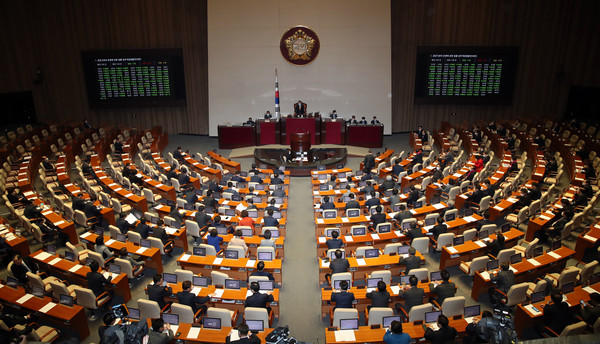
(339, 265)
(441, 336)
(378, 218)
(412, 297)
(327, 205)
(334, 243)
(476, 196)
(276, 181)
(342, 299)
(494, 247)
(189, 299)
(373, 201)
(505, 280)
(270, 221)
(379, 299)
(78, 204)
(143, 229)
(252, 340)
(414, 233)
(439, 229)
(96, 282)
(369, 162)
(160, 233)
(397, 169)
(20, 272)
(403, 215)
(159, 337)
(158, 293)
(411, 262)
(258, 300)
(557, 316)
(123, 225)
(443, 290)
(202, 219)
(299, 109)
(352, 205)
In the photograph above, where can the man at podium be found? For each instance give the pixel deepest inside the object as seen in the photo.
(299, 108)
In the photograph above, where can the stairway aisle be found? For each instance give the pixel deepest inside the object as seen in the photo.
(300, 296)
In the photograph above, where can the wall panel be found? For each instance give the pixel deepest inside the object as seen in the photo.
(558, 42)
(51, 35)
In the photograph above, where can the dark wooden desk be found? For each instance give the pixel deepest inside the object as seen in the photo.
(290, 124)
(333, 131)
(364, 135)
(235, 136)
(268, 132)
(68, 318)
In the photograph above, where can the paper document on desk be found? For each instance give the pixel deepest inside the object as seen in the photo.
(250, 263)
(141, 250)
(170, 230)
(480, 243)
(47, 307)
(345, 336)
(248, 292)
(324, 264)
(398, 233)
(375, 236)
(532, 311)
(513, 269)
(469, 219)
(395, 289)
(345, 220)
(217, 261)
(54, 261)
(194, 333)
(196, 290)
(412, 211)
(322, 240)
(589, 237)
(43, 255)
(439, 206)
(320, 221)
(554, 255)
(234, 335)
(534, 262)
(75, 268)
(24, 298)
(85, 235)
(452, 250)
(185, 257)
(218, 293)
(589, 290)
(485, 275)
(361, 262)
(349, 238)
(110, 242)
(544, 217)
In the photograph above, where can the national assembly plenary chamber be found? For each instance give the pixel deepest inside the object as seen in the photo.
(275, 171)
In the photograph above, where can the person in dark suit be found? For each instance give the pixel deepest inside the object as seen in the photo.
(131, 174)
(333, 115)
(325, 204)
(174, 213)
(201, 218)
(591, 312)
(237, 177)
(118, 146)
(276, 180)
(157, 291)
(387, 184)
(123, 225)
(255, 178)
(342, 299)
(412, 296)
(185, 297)
(368, 188)
(79, 202)
(92, 211)
(369, 161)
(485, 221)
(184, 180)
(260, 271)
(445, 334)
(97, 282)
(178, 154)
(378, 217)
(439, 228)
(334, 242)
(160, 233)
(375, 121)
(270, 221)
(352, 204)
(380, 297)
(418, 157)
(243, 334)
(476, 196)
(443, 290)
(410, 262)
(394, 198)
(268, 115)
(209, 201)
(339, 264)
(352, 121)
(257, 299)
(496, 245)
(413, 196)
(556, 313)
(158, 334)
(299, 108)
(414, 232)
(363, 121)
(504, 279)
(403, 214)
(279, 191)
(397, 168)
(21, 268)
(272, 205)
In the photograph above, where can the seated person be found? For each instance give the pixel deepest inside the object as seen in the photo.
(443, 290)
(413, 295)
(161, 332)
(413, 196)
(556, 314)
(410, 262)
(352, 204)
(342, 299)
(445, 334)
(334, 242)
(279, 191)
(375, 121)
(267, 241)
(372, 201)
(158, 290)
(495, 246)
(269, 220)
(142, 228)
(380, 297)
(258, 299)
(20, 268)
(101, 248)
(214, 239)
(243, 334)
(403, 214)
(378, 217)
(591, 311)
(185, 297)
(414, 232)
(137, 266)
(260, 271)
(238, 240)
(394, 334)
(276, 180)
(439, 228)
(245, 219)
(325, 204)
(339, 264)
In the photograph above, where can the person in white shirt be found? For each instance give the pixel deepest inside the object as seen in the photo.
(237, 240)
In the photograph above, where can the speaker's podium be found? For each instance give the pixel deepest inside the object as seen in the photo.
(300, 146)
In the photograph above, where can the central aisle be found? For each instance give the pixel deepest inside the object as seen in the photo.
(300, 296)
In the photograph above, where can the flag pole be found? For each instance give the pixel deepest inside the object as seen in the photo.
(277, 109)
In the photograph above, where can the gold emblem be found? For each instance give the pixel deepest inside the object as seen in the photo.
(299, 45)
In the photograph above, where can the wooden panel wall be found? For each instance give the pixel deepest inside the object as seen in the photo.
(51, 34)
(559, 46)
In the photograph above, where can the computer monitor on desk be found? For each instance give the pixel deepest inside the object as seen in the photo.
(199, 251)
(353, 212)
(211, 323)
(114, 269)
(567, 288)
(432, 317)
(372, 282)
(372, 253)
(51, 249)
(265, 256)
(265, 285)
(232, 284)
(349, 324)
(430, 221)
(336, 284)
(66, 300)
(403, 249)
(405, 279)
(134, 313)
(200, 281)
(387, 321)
(255, 325)
(253, 213)
(231, 254)
(492, 265)
(538, 296)
(516, 258)
(359, 230)
(538, 251)
(171, 318)
(70, 256)
(247, 232)
(169, 277)
(472, 311)
(332, 254)
(385, 228)
(37, 291)
(483, 234)
(459, 240)
(556, 245)
(435, 276)
(450, 216)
